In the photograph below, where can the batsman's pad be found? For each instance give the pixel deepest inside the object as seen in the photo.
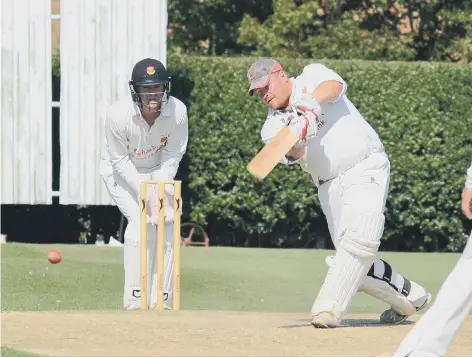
(354, 256)
(385, 283)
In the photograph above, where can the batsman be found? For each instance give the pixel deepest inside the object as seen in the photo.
(146, 135)
(347, 163)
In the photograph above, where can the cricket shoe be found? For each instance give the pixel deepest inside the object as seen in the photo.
(324, 320)
(132, 305)
(166, 307)
(390, 316)
(136, 306)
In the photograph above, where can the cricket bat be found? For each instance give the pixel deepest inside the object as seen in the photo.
(271, 154)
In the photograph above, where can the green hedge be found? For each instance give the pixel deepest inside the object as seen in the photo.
(421, 111)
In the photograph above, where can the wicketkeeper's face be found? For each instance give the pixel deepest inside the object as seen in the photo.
(151, 96)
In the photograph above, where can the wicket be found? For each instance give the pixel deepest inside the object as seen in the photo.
(160, 243)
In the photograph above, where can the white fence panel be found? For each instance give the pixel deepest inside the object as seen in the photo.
(101, 40)
(26, 119)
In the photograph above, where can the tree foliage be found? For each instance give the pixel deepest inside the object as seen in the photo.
(209, 27)
(368, 29)
(337, 29)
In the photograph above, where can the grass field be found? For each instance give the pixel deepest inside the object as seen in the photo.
(90, 279)
(9, 352)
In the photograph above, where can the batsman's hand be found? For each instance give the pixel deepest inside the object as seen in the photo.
(308, 105)
(467, 202)
(301, 125)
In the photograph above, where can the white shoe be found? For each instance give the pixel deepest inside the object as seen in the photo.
(166, 307)
(137, 306)
(324, 320)
(132, 306)
(390, 316)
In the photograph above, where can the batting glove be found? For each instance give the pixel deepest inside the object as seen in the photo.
(300, 124)
(304, 126)
(307, 101)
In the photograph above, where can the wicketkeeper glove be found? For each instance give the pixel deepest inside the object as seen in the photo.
(151, 207)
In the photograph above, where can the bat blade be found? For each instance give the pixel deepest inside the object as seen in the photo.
(271, 154)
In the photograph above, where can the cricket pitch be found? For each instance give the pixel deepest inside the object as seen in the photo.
(204, 333)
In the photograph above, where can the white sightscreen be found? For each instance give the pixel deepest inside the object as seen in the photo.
(26, 128)
(101, 40)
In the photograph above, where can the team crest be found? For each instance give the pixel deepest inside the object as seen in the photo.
(150, 70)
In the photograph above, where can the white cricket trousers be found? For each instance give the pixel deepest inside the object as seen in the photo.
(127, 203)
(363, 189)
(432, 335)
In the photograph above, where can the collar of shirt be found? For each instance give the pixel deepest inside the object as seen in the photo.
(296, 92)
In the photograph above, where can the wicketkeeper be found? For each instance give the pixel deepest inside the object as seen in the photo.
(347, 162)
(146, 136)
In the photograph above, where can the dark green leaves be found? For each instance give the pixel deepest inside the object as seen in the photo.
(421, 111)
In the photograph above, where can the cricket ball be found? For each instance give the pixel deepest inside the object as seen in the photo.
(54, 257)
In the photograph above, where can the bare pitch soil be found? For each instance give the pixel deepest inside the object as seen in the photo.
(203, 333)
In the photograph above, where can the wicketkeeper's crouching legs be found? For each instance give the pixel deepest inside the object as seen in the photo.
(168, 269)
(132, 253)
(128, 206)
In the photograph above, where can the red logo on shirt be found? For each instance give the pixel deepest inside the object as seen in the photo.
(149, 152)
(145, 153)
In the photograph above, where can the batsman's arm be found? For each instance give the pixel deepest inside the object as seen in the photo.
(117, 144)
(173, 151)
(328, 91)
(329, 86)
(468, 181)
(466, 202)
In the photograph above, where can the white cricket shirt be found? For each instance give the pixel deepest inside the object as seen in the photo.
(131, 147)
(344, 137)
(468, 181)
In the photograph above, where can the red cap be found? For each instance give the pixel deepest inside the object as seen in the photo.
(259, 73)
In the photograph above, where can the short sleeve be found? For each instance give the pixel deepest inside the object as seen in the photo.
(318, 73)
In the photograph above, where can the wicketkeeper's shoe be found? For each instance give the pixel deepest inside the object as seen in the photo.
(137, 306)
(390, 316)
(132, 306)
(324, 320)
